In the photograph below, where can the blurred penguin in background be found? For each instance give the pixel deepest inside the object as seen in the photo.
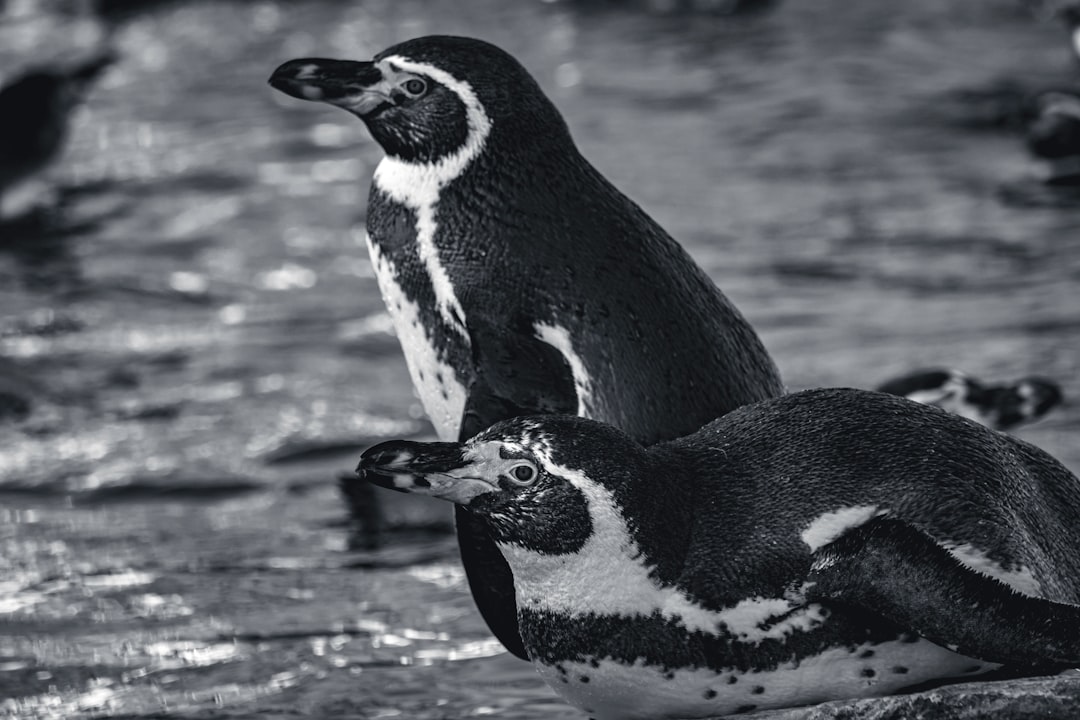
(1001, 407)
(35, 110)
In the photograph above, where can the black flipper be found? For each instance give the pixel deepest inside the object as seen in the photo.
(490, 580)
(894, 570)
(517, 374)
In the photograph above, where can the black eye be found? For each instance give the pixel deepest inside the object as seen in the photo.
(415, 87)
(523, 474)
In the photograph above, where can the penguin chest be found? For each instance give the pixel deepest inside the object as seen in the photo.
(435, 351)
(610, 689)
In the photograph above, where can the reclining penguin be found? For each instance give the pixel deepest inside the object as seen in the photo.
(827, 544)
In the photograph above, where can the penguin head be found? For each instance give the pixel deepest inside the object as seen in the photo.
(1024, 401)
(427, 99)
(532, 479)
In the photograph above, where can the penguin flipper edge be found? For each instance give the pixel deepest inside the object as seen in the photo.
(517, 374)
(892, 569)
(490, 578)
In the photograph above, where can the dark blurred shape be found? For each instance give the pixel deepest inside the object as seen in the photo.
(1069, 14)
(365, 516)
(373, 517)
(34, 112)
(1002, 104)
(1054, 135)
(1001, 407)
(13, 407)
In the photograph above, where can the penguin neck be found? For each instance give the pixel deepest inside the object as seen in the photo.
(615, 557)
(493, 162)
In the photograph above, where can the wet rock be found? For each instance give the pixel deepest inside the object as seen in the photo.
(1014, 699)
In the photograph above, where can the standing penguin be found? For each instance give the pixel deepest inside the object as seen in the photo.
(827, 544)
(519, 280)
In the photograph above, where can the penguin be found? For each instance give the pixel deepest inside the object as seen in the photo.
(827, 544)
(1000, 407)
(520, 280)
(34, 112)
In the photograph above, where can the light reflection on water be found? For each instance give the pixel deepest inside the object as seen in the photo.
(205, 347)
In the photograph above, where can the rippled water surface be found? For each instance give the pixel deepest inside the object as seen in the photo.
(204, 349)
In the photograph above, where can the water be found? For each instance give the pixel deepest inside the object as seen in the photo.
(204, 347)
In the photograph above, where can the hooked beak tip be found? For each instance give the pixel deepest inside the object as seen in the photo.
(297, 79)
(436, 469)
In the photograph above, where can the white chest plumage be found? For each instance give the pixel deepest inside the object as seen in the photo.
(608, 690)
(436, 382)
(417, 186)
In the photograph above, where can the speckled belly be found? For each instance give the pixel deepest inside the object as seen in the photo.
(610, 690)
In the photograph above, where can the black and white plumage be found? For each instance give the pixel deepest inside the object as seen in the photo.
(35, 109)
(827, 544)
(1003, 406)
(519, 280)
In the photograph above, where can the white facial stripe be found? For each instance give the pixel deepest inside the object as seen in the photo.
(559, 338)
(609, 576)
(642, 692)
(417, 185)
(486, 460)
(437, 383)
(826, 527)
(1019, 578)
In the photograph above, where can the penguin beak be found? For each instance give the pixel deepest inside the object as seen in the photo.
(442, 470)
(359, 87)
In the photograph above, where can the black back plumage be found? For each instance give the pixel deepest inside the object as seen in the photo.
(811, 452)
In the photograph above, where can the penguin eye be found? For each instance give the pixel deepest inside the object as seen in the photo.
(414, 87)
(524, 473)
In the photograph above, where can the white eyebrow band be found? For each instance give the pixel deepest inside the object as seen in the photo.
(417, 185)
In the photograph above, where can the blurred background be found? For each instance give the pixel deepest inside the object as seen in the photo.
(192, 344)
